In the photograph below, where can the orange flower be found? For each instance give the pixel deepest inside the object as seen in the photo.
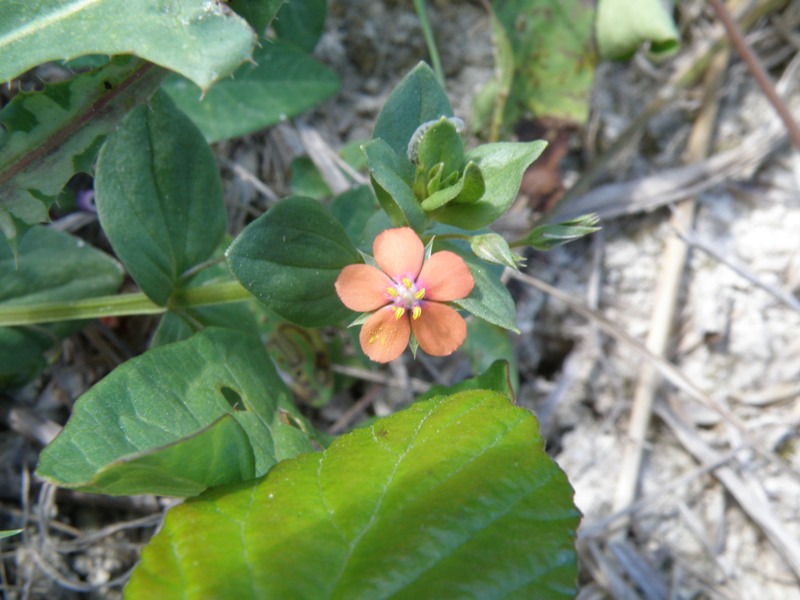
(407, 295)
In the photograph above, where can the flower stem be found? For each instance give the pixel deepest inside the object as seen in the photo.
(121, 304)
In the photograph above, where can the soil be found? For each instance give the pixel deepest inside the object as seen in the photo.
(715, 513)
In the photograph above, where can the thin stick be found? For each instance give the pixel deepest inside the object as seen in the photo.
(602, 526)
(666, 299)
(352, 413)
(757, 70)
(416, 385)
(780, 294)
(671, 373)
(779, 535)
(685, 76)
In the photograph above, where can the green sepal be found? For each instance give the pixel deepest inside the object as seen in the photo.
(441, 143)
(467, 190)
(547, 237)
(361, 319)
(413, 345)
(434, 180)
(493, 248)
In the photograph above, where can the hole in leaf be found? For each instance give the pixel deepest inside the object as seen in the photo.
(233, 398)
(289, 419)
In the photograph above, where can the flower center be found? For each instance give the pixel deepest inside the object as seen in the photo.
(406, 296)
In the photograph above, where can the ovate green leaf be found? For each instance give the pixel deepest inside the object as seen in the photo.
(178, 419)
(289, 259)
(353, 210)
(301, 22)
(417, 99)
(281, 82)
(159, 196)
(454, 497)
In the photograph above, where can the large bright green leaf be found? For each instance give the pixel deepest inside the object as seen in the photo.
(51, 266)
(452, 498)
(202, 40)
(282, 82)
(53, 134)
(417, 99)
(289, 259)
(159, 196)
(178, 419)
(502, 165)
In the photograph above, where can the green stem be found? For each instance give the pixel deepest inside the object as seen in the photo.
(427, 33)
(121, 305)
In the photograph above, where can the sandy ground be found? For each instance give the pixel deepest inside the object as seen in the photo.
(714, 511)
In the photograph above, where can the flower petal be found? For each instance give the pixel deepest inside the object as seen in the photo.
(384, 337)
(363, 287)
(440, 330)
(399, 252)
(445, 276)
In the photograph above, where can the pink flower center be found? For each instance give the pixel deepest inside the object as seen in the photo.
(406, 296)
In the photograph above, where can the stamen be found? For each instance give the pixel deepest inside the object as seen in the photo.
(407, 282)
(416, 312)
(399, 311)
(420, 294)
(392, 292)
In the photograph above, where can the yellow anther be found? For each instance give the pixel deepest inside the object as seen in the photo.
(420, 294)
(399, 311)
(416, 312)
(407, 282)
(392, 292)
